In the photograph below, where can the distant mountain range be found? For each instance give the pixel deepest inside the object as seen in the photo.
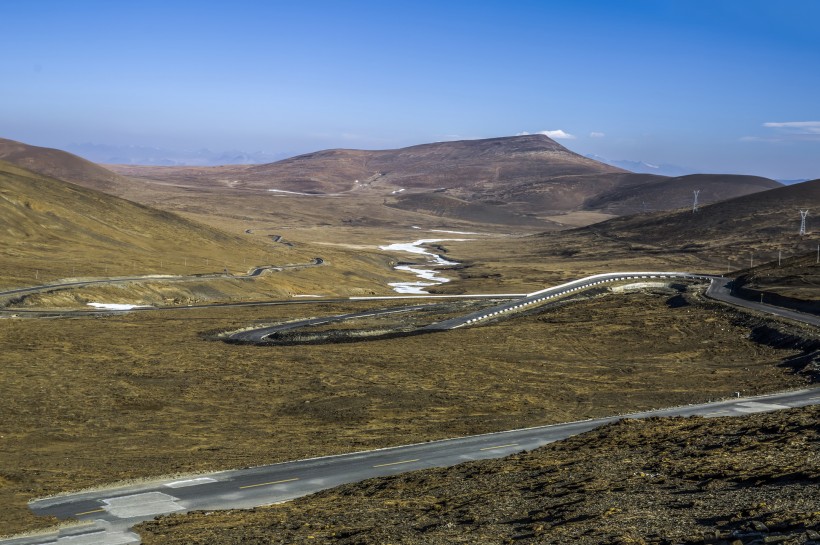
(521, 180)
(145, 155)
(644, 167)
(664, 169)
(109, 154)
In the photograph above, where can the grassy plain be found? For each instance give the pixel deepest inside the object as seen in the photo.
(89, 401)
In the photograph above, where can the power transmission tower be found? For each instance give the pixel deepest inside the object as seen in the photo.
(695, 203)
(803, 214)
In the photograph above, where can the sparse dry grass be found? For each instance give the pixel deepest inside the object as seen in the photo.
(749, 479)
(90, 401)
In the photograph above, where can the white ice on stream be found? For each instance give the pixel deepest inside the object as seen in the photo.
(428, 277)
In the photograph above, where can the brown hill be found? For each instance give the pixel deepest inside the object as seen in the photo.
(467, 167)
(724, 237)
(50, 229)
(440, 205)
(520, 178)
(728, 235)
(767, 217)
(61, 165)
(641, 194)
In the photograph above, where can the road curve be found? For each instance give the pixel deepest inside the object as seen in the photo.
(260, 335)
(168, 278)
(111, 513)
(718, 290)
(547, 294)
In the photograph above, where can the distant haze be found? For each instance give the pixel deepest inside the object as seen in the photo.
(725, 86)
(144, 155)
(646, 168)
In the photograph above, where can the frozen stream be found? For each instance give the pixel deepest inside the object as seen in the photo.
(428, 277)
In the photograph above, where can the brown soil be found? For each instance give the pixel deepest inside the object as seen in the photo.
(89, 401)
(797, 277)
(741, 480)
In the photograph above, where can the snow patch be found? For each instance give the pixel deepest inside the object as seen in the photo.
(293, 192)
(454, 232)
(116, 306)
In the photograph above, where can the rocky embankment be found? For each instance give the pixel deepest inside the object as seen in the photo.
(753, 479)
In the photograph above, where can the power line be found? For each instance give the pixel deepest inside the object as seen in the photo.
(695, 203)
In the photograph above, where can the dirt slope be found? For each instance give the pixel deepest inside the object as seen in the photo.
(769, 219)
(752, 479)
(729, 235)
(61, 165)
(50, 227)
(663, 193)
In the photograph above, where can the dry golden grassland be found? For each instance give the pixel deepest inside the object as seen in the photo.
(89, 401)
(55, 231)
(370, 277)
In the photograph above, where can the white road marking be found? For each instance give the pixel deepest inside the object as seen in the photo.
(190, 482)
(141, 505)
(755, 407)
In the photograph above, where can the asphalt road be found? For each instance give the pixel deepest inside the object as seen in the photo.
(166, 278)
(259, 335)
(720, 289)
(112, 512)
(546, 295)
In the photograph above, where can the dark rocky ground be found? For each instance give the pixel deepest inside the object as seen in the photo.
(753, 479)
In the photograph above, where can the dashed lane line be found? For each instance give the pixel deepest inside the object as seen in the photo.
(89, 512)
(397, 463)
(269, 483)
(500, 446)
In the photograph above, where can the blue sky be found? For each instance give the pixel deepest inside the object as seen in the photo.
(720, 86)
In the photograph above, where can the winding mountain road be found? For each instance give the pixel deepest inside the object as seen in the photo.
(256, 271)
(112, 512)
(719, 289)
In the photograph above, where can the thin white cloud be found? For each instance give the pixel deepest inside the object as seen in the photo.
(595, 134)
(788, 131)
(557, 134)
(795, 127)
(794, 124)
(522, 133)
